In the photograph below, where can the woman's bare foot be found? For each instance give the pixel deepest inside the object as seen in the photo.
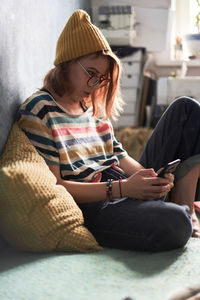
(196, 226)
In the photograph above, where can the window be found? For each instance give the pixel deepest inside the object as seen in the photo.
(194, 13)
(185, 13)
(182, 22)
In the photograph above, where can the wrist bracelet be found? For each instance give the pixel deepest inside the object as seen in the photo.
(109, 189)
(120, 187)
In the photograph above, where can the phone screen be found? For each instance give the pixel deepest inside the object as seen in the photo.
(170, 167)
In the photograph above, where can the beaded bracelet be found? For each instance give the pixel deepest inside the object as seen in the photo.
(109, 189)
(120, 187)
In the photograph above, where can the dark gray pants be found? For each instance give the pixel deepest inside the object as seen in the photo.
(153, 225)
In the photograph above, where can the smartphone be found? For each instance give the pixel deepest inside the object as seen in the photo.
(170, 167)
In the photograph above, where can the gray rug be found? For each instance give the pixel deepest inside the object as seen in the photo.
(107, 275)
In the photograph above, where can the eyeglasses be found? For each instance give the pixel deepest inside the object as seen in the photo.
(95, 81)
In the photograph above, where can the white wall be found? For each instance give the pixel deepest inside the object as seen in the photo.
(29, 30)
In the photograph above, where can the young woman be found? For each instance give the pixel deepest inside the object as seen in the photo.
(122, 200)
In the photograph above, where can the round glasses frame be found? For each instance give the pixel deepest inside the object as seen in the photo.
(95, 81)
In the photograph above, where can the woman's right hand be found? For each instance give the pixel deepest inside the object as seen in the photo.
(145, 185)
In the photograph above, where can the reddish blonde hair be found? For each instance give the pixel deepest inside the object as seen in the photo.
(106, 101)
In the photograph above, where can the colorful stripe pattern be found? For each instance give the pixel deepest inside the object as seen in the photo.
(82, 145)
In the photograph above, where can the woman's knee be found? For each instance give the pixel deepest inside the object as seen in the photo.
(173, 230)
(188, 104)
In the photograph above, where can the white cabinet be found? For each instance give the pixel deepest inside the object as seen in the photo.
(168, 88)
(131, 88)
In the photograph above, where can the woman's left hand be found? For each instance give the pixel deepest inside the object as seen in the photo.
(168, 176)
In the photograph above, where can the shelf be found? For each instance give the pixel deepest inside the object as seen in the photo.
(175, 63)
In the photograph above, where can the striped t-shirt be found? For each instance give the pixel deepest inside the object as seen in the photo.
(81, 145)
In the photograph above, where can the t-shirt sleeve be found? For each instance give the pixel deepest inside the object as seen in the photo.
(118, 149)
(38, 129)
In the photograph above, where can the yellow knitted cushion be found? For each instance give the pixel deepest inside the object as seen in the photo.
(36, 214)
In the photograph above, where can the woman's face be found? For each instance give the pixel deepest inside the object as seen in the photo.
(82, 70)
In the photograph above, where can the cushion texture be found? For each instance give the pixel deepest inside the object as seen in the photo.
(36, 214)
(133, 139)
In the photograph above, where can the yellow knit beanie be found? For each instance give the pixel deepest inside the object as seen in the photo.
(79, 37)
